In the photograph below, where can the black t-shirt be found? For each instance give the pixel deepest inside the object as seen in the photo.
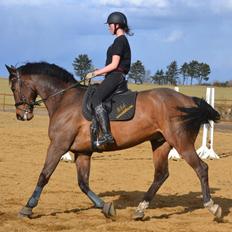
(121, 48)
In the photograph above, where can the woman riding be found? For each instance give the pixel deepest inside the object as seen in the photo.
(117, 65)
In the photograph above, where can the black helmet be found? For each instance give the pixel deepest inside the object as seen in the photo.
(117, 18)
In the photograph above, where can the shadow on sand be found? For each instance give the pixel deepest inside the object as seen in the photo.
(190, 201)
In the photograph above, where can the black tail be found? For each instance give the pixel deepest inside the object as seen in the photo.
(200, 114)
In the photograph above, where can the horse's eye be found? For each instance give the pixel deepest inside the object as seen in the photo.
(13, 88)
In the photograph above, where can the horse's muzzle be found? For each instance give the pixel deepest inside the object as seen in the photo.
(26, 116)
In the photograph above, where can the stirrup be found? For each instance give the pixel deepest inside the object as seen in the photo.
(105, 139)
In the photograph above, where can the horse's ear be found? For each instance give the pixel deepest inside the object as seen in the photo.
(11, 69)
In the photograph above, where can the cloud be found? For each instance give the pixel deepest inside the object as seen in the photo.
(25, 2)
(221, 6)
(174, 36)
(138, 3)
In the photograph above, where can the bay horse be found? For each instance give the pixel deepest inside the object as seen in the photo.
(164, 117)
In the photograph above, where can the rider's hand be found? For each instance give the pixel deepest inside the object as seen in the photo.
(90, 75)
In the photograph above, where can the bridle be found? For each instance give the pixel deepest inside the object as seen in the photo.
(22, 98)
(32, 104)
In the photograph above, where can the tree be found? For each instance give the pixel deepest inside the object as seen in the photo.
(204, 72)
(172, 73)
(193, 70)
(82, 65)
(158, 77)
(137, 72)
(184, 71)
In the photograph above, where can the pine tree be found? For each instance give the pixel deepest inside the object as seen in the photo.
(137, 72)
(184, 71)
(172, 73)
(204, 72)
(82, 65)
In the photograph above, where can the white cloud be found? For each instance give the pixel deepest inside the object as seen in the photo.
(38, 2)
(22, 2)
(136, 3)
(221, 6)
(174, 36)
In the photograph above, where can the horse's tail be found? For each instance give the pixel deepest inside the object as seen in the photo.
(202, 113)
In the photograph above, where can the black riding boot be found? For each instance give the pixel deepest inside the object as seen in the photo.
(103, 119)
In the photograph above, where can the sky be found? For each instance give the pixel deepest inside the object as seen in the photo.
(57, 31)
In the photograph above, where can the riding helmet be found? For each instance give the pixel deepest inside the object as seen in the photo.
(117, 18)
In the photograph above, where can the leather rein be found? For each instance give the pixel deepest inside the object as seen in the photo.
(31, 104)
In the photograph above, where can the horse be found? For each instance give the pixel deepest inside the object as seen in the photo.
(166, 118)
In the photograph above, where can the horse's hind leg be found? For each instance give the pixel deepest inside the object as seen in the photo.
(160, 159)
(201, 169)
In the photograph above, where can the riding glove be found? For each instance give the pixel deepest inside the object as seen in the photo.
(90, 76)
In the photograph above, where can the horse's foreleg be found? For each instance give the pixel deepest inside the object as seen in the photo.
(83, 171)
(201, 169)
(160, 159)
(53, 157)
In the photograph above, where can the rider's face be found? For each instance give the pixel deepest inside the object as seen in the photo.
(112, 28)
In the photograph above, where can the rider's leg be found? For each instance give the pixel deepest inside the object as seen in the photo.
(104, 90)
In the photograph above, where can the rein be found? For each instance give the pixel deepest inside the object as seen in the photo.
(38, 102)
(57, 93)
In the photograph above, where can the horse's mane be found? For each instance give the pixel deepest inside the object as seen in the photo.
(44, 68)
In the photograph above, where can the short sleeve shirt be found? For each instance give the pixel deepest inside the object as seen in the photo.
(121, 48)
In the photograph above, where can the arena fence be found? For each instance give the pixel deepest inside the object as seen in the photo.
(7, 104)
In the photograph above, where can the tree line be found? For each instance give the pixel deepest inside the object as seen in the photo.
(187, 73)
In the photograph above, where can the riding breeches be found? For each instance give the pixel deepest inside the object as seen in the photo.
(107, 87)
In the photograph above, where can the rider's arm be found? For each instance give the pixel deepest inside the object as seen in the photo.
(110, 67)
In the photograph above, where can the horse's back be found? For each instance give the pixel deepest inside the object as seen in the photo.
(165, 99)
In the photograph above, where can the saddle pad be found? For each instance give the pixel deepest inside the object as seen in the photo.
(120, 107)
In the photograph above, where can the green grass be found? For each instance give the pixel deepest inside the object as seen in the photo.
(222, 95)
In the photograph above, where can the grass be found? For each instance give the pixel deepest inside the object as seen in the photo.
(222, 95)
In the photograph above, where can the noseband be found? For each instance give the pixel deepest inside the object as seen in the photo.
(22, 98)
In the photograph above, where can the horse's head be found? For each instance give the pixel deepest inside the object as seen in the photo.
(24, 93)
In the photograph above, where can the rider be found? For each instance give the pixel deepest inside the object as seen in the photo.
(118, 61)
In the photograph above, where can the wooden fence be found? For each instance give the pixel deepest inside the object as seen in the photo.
(7, 104)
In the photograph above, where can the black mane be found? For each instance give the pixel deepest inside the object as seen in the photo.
(44, 68)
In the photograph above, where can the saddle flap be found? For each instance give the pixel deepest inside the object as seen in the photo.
(119, 106)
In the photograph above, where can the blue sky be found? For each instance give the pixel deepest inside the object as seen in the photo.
(57, 31)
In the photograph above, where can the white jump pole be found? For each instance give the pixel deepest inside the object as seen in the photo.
(173, 154)
(204, 152)
(66, 157)
(212, 154)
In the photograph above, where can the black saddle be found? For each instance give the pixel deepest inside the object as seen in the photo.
(120, 105)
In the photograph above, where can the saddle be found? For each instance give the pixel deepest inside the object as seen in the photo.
(120, 107)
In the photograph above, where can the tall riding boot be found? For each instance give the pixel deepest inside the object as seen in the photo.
(103, 119)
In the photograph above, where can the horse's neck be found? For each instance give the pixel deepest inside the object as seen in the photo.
(51, 94)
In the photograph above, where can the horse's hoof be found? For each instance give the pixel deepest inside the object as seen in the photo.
(215, 209)
(218, 213)
(138, 215)
(109, 210)
(25, 212)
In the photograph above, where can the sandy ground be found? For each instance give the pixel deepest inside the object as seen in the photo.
(121, 176)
